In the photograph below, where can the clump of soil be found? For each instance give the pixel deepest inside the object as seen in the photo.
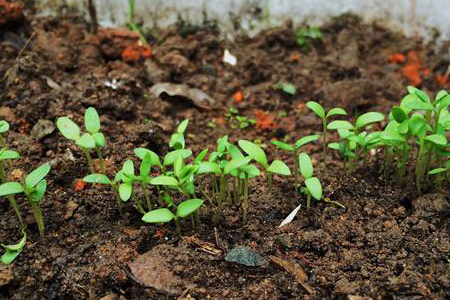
(387, 244)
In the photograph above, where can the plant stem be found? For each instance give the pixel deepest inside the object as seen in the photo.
(308, 201)
(245, 202)
(325, 142)
(177, 226)
(100, 158)
(3, 142)
(420, 165)
(11, 198)
(219, 200)
(296, 169)
(116, 193)
(89, 159)
(38, 216)
(146, 195)
(269, 180)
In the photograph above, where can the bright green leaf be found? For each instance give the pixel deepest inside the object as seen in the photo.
(437, 170)
(314, 187)
(170, 157)
(279, 167)
(306, 167)
(91, 120)
(201, 156)
(9, 188)
(305, 140)
(37, 175)
(183, 125)
(316, 108)
(282, 145)
(399, 114)
(255, 152)
(86, 141)
(336, 111)
(339, 124)
(209, 167)
(4, 126)
(125, 190)
(236, 163)
(99, 139)
(188, 207)
(368, 118)
(162, 215)
(68, 128)
(97, 178)
(437, 139)
(288, 88)
(141, 152)
(9, 154)
(164, 180)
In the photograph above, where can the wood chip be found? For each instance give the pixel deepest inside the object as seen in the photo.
(204, 246)
(295, 269)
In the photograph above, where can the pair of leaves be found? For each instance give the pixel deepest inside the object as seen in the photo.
(8, 154)
(35, 186)
(299, 143)
(164, 215)
(320, 111)
(177, 140)
(361, 122)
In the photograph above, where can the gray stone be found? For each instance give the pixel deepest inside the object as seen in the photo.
(245, 256)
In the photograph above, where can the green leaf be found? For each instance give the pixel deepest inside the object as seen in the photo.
(437, 170)
(336, 111)
(392, 135)
(419, 105)
(91, 120)
(99, 139)
(128, 167)
(334, 146)
(234, 151)
(339, 124)
(178, 165)
(416, 123)
(255, 152)
(444, 102)
(18, 246)
(403, 127)
(188, 207)
(162, 215)
(68, 128)
(170, 157)
(145, 166)
(200, 156)
(209, 167)
(236, 163)
(288, 88)
(37, 175)
(164, 180)
(314, 187)
(305, 140)
(141, 152)
(368, 118)
(399, 114)
(222, 144)
(9, 256)
(4, 126)
(97, 178)
(183, 125)
(86, 141)
(282, 145)
(39, 191)
(440, 95)
(125, 190)
(437, 139)
(9, 188)
(177, 141)
(9, 154)
(279, 167)
(306, 167)
(251, 170)
(316, 108)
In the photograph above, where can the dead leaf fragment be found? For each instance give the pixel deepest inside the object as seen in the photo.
(295, 269)
(204, 246)
(198, 97)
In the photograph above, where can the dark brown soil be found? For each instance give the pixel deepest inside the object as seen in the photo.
(388, 244)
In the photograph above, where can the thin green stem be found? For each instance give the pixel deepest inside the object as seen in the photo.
(219, 200)
(3, 142)
(177, 226)
(325, 143)
(308, 201)
(11, 198)
(36, 209)
(89, 159)
(245, 202)
(100, 158)
(269, 180)
(296, 169)
(146, 195)
(116, 193)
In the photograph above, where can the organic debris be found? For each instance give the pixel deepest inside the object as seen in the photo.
(198, 97)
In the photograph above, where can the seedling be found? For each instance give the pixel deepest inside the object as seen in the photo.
(320, 111)
(12, 251)
(93, 139)
(4, 127)
(294, 149)
(306, 34)
(165, 215)
(255, 152)
(313, 186)
(34, 187)
(133, 25)
(286, 87)
(6, 154)
(237, 121)
(177, 140)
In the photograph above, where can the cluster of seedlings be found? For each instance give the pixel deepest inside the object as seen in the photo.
(180, 185)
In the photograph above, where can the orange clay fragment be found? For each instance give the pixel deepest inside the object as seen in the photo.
(442, 79)
(134, 52)
(263, 120)
(396, 58)
(412, 68)
(238, 97)
(79, 185)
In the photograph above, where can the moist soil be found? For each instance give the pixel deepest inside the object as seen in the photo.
(388, 242)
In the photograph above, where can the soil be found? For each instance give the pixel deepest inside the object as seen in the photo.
(389, 243)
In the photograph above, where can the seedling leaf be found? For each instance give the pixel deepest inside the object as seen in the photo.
(86, 141)
(183, 125)
(68, 128)
(437, 139)
(141, 152)
(336, 111)
(314, 187)
(97, 178)
(368, 118)
(37, 175)
(164, 180)
(209, 167)
(91, 120)
(305, 140)
(99, 139)
(255, 152)
(279, 167)
(9, 188)
(306, 167)
(9, 154)
(4, 126)
(125, 190)
(236, 163)
(188, 207)
(339, 124)
(201, 156)
(282, 145)
(316, 108)
(170, 157)
(399, 114)
(437, 170)
(162, 215)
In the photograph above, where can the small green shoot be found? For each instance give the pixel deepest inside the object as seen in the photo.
(313, 186)
(286, 87)
(306, 35)
(12, 251)
(4, 127)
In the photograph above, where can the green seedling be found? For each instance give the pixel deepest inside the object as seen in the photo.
(286, 87)
(12, 251)
(165, 215)
(305, 35)
(133, 25)
(93, 139)
(294, 150)
(6, 155)
(313, 187)
(257, 153)
(320, 112)
(4, 127)
(237, 121)
(34, 187)
(177, 140)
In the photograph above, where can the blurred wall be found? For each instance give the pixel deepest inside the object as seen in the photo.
(421, 17)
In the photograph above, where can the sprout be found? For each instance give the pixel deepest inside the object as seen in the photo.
(4, 127)
(177, 139)
(93, 139)
(34, 187)
(6, 154)
(12, 251)
(312, 184)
